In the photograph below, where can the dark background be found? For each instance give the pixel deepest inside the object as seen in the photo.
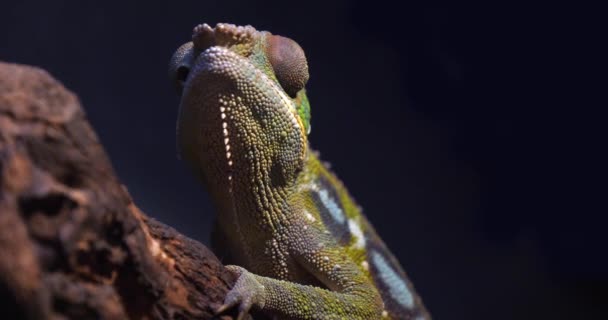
(452, 125)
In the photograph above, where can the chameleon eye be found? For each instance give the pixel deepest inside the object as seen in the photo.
(288, 62)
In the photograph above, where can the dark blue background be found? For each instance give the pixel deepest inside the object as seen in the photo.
(457, 128)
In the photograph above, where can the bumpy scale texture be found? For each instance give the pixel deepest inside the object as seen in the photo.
(299, 243)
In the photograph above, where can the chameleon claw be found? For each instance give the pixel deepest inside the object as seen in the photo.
(242, 307)
(242, 315)
(246, 293)
(223, 308)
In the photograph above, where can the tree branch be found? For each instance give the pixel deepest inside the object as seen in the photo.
(72, 243)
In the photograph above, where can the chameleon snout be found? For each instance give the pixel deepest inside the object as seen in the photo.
(236, 38)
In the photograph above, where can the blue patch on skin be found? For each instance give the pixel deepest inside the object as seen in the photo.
(330, 209)
(332, 206)
(396, 285)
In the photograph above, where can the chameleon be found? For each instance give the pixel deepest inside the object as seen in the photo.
(297, 241)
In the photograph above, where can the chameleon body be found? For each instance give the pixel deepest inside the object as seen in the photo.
(299, 243)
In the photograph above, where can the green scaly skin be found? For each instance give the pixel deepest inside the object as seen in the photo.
(302, 249)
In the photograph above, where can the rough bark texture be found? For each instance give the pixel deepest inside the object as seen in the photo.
(73, 245)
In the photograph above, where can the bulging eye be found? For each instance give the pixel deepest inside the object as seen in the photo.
(288, 62)
(179, 65)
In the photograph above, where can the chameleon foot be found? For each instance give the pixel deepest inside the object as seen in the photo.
(246, 293)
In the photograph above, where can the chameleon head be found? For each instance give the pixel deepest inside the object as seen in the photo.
(244, 115)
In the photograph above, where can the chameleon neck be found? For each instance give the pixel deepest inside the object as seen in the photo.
(257, 201)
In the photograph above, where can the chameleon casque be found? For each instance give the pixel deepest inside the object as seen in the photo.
(299, 243)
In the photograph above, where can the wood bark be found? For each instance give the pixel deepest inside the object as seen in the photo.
(73, 245)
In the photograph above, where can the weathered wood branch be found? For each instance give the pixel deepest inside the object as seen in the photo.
(73, 245)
